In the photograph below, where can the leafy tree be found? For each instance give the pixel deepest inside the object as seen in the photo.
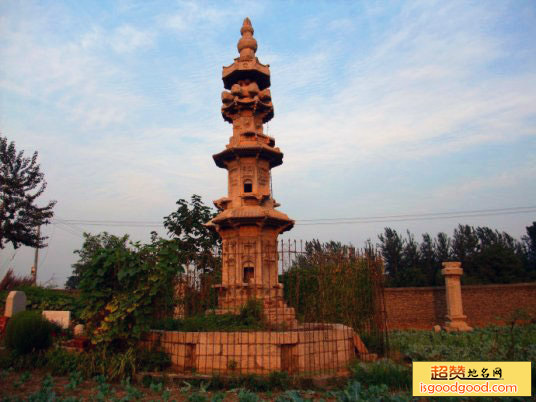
(487, 255)
(91, 246)
(21, 183)
(429, 260)
(464, 244)
(124, 286)
(529, 243)
(442, 247)
(197, 242)
(412, 272)
(391, 246)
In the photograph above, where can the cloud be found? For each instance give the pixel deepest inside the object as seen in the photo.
(127, 39)
(124, 107)
(427, 87)
(71, 75)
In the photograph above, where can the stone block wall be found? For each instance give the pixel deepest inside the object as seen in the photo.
(422, 308)
(324, 349)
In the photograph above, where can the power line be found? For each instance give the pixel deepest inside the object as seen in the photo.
(71, 223)
(416, 218)
(425, 214)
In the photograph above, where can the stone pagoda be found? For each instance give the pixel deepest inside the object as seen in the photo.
(248, 222)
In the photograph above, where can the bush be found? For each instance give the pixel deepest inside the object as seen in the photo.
(395, 376)
(123, 287)
(153, 360)
(62, 362)
(250, 318)
(27, 332)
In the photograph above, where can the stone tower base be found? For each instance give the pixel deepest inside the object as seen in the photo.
(312, 349)
(232, 298)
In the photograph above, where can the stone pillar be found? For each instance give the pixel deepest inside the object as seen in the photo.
(456, 320)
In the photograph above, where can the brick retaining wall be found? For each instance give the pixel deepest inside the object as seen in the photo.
(422, 308)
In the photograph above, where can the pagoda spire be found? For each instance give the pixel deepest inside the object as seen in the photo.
(247, 45)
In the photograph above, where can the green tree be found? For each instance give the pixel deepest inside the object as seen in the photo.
(124, 286)
(21, 183)
(429, 260)
(198, 244)
(488, 256)
(413, 271)
(391, 246)
(529, 244)
(91, 246)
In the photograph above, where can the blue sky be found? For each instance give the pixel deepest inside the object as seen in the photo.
(381, 108)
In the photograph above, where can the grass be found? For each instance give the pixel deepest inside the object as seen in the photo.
(251, 317)
(517, 343)
(208, 322)
(382, 380)
(383, 372)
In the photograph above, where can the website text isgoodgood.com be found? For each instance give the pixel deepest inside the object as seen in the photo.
(467, 388)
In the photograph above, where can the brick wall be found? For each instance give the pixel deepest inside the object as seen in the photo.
(422, 308)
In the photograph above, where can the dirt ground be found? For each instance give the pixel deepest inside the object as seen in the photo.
(20, 385)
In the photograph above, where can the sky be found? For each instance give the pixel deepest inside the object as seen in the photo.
(381, 109)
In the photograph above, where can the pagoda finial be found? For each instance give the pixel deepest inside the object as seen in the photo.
(247, 45)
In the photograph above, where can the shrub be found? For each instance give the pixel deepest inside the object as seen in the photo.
(39, 298)
(210, 322)
(61, 362)
(395, 376)
(27, 332)
(12, 282)
(153, 360)
(252, 312)
(123, 287)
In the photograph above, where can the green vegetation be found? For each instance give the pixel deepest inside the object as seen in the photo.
(514, 343)
(22, 184)
(40, 299)
(28, 332)
(124, 287)
(383, 372)
(517, 343)
(250, 318)
(487, 256)
(331, 283)
(99, 361)
(356, 392)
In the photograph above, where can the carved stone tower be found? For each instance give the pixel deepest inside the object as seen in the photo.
(248, 222)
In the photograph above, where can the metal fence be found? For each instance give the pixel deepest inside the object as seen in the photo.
(294, 306)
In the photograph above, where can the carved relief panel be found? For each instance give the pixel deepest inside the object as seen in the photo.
(263, 176)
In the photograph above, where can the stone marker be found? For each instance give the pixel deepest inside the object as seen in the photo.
(437, 328)
(456, 320)
(62, 318)
(15, 302)
(78, 330)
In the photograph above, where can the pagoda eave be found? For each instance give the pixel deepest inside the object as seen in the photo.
(264, 222)
(254, 215)
(247, 69)
(273, 155)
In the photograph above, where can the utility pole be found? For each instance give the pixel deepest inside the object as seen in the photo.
(36, 258)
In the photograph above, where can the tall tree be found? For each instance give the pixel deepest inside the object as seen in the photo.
(187, 227)
(391, 246)
(21, 183)
(428, 258)
(529, 243)
(412, 271)
(92, 245)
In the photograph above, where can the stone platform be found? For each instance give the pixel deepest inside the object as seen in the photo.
(308, 349)
(232, 298)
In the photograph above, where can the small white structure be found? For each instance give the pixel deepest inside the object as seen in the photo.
(62, 318)
(15, 303)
